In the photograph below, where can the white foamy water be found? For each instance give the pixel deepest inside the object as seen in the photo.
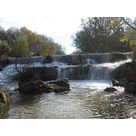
(103, 71)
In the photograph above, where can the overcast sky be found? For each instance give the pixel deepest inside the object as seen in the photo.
(58, 19)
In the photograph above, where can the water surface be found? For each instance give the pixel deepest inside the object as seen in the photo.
(85, 100)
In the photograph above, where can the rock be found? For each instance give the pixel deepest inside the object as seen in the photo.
(110, 89)
(38, 86)
(37, 73)
(115, 82)
(34, 87)
(59, 85)
(62, 83)
(131, 88)
(48, 59)
(125, 72)
(4, 98)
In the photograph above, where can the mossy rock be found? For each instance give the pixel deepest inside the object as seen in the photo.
(4, 98)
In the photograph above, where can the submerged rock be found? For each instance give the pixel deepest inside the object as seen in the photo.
(110, 89)
(4, 98)
(38, 86)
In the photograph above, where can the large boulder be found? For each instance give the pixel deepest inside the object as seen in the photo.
(38, 86)
(126, 72)
(37, 73)
(33, 87)
(4, 98)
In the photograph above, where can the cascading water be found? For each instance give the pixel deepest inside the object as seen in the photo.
(86, 98)
(89, 72)
(103, 71)
(90, 61)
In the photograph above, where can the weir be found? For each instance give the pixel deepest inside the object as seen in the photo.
(96, 66)
(87, 82)
(90, 58)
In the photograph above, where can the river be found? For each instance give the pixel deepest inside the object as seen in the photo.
(86, 99)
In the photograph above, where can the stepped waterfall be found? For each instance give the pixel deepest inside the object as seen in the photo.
(89, 75)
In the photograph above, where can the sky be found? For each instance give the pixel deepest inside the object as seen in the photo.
(58, 19)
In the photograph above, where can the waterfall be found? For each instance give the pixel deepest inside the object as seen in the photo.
(89, 72)
(103, 71)
(92, 67)
(90, 61)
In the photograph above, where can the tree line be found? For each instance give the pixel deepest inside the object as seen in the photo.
(105, 34)
(23, 42)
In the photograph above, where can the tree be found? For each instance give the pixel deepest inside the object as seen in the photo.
(4, 49)
(20, 48)
(2, 34)
(40, 44)
(24, 42)
(100, 34)
(130, 35)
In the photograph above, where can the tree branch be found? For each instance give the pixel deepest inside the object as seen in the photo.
(128, 23)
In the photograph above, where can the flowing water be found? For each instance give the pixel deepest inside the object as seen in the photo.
(86, 99)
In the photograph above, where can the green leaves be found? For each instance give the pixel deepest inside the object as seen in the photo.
(4, 49)
(23, 42)
(20, 48)
(100, 34)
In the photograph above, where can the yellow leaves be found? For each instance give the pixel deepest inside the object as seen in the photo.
(131, 42)
(124, 39)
